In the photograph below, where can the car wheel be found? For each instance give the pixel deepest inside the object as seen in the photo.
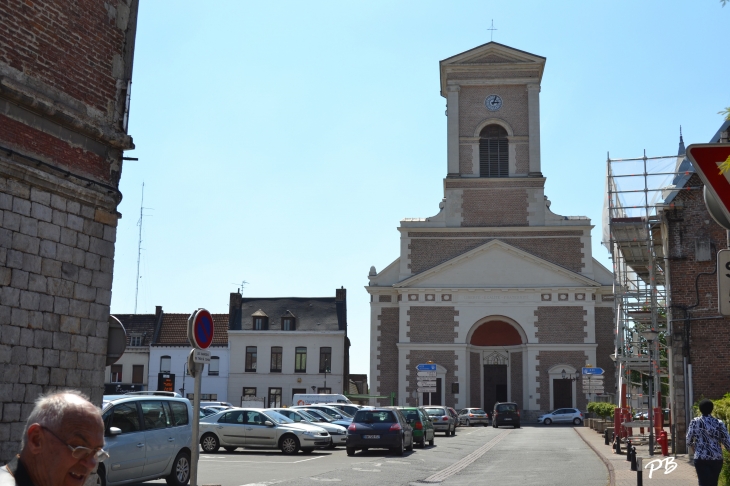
(576, 421)
(468, 423)
(350, 451)
(180, 474)
(422, 444)
(453, 431)
(230, 449)
(289, 444)
(308, 450)
(101, 472)
(410, 447)
(398, 451)
(517, 426)
(209, 443)
(547, 421)
(430, 442)
(332, 445)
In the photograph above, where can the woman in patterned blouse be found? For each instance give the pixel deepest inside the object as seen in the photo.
(708, 435)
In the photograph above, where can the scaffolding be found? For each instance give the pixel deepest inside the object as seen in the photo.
(637, 191)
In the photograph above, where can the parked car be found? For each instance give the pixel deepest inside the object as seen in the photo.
(562, 415)
(324, 417)
(310, 398)
(333, 412)
(337, 432)
(148, 437)
(259, 428)
(422, 426)
(506, 413)
(442, 419)
(379, 428)
(348, 408)
(473, 416)
(455, 415)
(219, 405)
(205, 411)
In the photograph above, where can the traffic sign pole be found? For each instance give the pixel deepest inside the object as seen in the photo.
(201, 330)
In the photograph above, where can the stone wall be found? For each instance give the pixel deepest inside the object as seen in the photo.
(427, 253)
(494, 207)
(65, 70)
(515, 361)
(447, 359)
(548, 359)
(564, 324)
(387, 353)
(432, 324)
(606, 346)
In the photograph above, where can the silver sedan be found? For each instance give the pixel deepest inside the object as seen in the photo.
(259, 428)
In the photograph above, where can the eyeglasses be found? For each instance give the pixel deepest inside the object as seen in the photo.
(81, 452)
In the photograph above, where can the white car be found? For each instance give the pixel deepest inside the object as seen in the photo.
(337, 432)
(562, 415)
(259, 428)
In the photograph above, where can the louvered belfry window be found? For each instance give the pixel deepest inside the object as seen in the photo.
(493, 152)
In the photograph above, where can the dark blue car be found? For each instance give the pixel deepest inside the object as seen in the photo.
(379, 428)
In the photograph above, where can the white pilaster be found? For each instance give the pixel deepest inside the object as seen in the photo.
(452, 130)
(533, 109)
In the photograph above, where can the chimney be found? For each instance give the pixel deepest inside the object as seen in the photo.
(341, 294)
(234, 311)
(158, 310)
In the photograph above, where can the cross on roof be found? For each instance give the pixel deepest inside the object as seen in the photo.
(491, 34)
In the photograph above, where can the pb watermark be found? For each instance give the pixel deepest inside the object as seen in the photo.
(668, 464)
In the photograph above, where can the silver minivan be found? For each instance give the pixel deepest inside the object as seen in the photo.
(148, 437)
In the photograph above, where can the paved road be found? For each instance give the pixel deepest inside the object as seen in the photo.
(539, 456)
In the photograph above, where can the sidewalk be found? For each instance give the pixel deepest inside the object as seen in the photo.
(619, 468)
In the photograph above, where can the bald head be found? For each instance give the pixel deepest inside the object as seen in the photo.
(58, 410)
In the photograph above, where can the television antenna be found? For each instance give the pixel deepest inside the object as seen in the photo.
(139, 247)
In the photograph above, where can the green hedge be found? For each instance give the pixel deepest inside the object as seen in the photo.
(602, 409)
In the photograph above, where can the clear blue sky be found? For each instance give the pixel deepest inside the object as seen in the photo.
(282, 142)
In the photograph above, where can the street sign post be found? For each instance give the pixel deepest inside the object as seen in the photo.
(426, 373)
(723, 282)
(706, 158)
(200, 334)
(592, 371)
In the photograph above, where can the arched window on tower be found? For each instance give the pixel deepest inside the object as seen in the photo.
(493, 152)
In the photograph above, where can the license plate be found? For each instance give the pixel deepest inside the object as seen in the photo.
(507, 419)
(371, 437)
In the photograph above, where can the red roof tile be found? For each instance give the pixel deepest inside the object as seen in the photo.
(174, 330)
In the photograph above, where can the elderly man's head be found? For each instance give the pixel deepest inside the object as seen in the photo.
(63, 439)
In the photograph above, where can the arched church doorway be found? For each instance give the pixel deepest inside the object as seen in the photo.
(495, 364)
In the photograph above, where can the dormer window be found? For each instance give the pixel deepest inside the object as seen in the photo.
(260, 321)
(288, 324)
(136, 340)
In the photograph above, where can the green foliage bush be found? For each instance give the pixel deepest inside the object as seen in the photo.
(602, 409)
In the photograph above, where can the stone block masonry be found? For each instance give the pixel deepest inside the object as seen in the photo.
(65, 75)
(565, 324)
(432, 324)
(548, 359)
(388, 353)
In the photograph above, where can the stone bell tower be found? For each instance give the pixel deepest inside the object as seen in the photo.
(493, 108)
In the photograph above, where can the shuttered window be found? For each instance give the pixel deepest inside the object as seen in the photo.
(493, 152)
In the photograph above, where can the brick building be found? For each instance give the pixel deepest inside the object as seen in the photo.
(496, 289)
(65, 77)
(699, 336)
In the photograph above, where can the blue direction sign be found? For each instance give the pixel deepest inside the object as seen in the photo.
(200, 329)
(426, 367)
(592, 371)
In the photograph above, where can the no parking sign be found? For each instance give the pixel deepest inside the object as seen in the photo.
(200, 329)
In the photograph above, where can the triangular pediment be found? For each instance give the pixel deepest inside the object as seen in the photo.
(493, 52)
(497, 265)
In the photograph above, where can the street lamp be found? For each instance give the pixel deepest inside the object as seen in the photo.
(571, 377)
(651, 336)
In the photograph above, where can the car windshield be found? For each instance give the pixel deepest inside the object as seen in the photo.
(309, 416)
(412, 415)
(373, 416)
(333, 413)
(478, 411)
(435, 411)
(508, 407)
(324, 417)
(278, 418)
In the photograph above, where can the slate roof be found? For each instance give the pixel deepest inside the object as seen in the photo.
(174, 330)
(311, 313)
(138, 324)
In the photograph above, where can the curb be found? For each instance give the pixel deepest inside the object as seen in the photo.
(609, 466)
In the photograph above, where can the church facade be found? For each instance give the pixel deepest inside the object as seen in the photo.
(502, 294)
